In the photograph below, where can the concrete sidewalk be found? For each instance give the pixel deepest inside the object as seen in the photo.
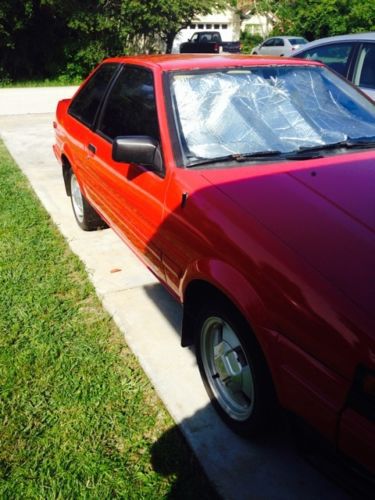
(150, 319)
(32, 100)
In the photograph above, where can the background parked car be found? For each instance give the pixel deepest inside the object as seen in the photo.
(209, 42)
(352, 56)
(279, 46)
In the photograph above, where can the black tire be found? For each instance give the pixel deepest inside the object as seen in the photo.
(235, 376)
(87, 218)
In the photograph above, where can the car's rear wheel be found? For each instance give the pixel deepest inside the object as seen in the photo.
(85, 215)
(233, 369)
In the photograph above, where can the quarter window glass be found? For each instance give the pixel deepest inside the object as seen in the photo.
(336, 56)
(86, 103)
(130, 108)
(365, 71)
(297, 41)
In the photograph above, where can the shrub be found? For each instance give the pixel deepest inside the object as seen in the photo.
(249, 41)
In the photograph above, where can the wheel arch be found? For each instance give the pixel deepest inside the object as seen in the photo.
(66, 168)
(67, 165)
(216, 278)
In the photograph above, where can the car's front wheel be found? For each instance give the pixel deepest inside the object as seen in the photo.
(233, 369)
(85, 215)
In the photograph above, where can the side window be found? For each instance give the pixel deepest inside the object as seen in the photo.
(85, 105)
(364, 74)
(130, 108)
(269, 43)
(335, 55)
(279, 42)
(194, 38)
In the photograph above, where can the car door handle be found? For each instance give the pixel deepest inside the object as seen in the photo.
(91, 148)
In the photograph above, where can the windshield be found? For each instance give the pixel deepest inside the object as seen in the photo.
(271, 108)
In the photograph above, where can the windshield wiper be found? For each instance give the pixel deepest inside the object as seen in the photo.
(361, 142)
(358, 142)
(239, 157)
(302, 153)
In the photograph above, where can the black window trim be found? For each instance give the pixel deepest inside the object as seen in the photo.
(102, 107)
(91, 126)
(172, 127)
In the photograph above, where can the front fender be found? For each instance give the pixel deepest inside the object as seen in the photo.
(230, 282)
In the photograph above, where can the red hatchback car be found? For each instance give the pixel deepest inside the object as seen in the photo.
(247, 186)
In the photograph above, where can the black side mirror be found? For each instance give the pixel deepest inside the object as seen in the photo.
(140, 149)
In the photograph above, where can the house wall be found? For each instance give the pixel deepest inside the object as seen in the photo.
(257, 25)
(228, 23)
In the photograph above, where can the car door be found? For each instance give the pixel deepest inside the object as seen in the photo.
(82, 112)
(266, 47)
(364, 72)
(278, 47)
(131, 195)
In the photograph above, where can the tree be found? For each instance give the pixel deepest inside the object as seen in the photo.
(43, 38)
(160, 19)
(318, 18)
(28, 30)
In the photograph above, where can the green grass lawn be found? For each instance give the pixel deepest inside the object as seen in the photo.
(78, 417)
(48, 82)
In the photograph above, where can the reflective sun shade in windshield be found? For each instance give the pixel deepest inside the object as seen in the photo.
(282, 108)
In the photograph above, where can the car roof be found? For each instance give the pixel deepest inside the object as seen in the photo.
(284, 37)
(360, 37)
(170, 62)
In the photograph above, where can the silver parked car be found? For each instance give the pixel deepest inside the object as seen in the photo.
(279, 46)
(352, 56)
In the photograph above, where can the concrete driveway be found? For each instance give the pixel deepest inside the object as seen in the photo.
(150, 321)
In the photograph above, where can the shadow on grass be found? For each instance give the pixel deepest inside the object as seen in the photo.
(191, 481)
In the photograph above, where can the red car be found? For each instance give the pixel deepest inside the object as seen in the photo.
(247, 185)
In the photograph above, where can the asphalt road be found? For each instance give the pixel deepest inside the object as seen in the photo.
(150, 319)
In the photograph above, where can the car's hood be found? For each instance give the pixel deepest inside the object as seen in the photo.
(325, 213)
